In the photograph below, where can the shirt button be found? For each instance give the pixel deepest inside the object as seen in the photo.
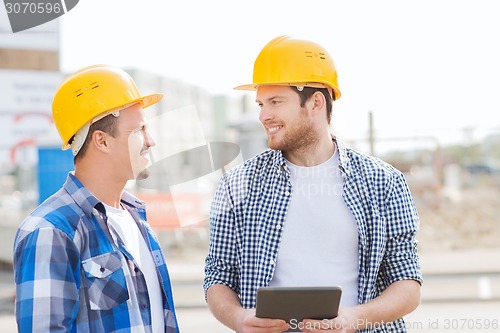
(278, 226)
(136, 269)
(144, 306)
(271, 262)
(287, 193)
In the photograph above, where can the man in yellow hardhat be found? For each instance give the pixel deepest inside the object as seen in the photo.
(309, 211)
(86, 259)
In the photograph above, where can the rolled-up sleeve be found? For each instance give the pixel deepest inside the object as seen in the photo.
(401, 261)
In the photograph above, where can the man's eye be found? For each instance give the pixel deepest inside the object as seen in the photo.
(276, 102)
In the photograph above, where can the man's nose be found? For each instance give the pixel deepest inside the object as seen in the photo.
(265, 114)
(150, 142)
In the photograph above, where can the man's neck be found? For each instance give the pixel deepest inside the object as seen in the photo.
(102, 185)
(315, 155)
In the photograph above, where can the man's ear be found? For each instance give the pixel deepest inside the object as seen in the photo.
(99, 140)
(318, 102)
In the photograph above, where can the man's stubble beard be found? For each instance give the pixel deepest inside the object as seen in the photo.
(300, 137)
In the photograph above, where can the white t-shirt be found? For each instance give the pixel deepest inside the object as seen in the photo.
(126, 228)
(319, 245)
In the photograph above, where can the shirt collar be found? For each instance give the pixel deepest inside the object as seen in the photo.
(87, 201)
(278, 160)
(344, 164)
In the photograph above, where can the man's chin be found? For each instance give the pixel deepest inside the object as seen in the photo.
(274, 145)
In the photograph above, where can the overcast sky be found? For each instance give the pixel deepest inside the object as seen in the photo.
(427, 67)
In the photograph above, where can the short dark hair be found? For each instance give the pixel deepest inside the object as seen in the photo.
(107, 124)
(307, 92)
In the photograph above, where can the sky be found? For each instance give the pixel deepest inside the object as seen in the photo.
(423, 68)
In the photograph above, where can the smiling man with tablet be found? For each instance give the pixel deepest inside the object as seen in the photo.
(310, 212)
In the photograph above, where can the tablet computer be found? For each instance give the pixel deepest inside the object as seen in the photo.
(294, 304)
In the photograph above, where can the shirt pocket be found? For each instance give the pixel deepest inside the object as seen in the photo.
(105, 281)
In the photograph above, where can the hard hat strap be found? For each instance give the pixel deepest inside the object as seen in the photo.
(79, 138)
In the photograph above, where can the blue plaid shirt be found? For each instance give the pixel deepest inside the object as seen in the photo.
(72, 277)
(250, 206)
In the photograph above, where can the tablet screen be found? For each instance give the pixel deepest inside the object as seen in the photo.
(294, 304)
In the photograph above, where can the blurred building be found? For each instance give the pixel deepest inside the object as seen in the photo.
(29, 75)
(250, 133)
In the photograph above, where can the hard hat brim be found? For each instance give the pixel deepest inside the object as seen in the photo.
(251, 86)
(150, 99)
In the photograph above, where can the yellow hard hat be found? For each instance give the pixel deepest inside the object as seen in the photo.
(90, 92)
(295, 62)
